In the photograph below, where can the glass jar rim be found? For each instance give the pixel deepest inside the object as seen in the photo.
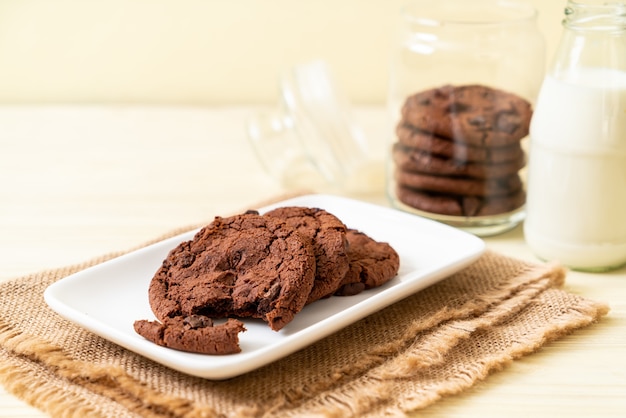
(474, 13)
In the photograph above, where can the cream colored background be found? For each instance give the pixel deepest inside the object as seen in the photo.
(198, 52)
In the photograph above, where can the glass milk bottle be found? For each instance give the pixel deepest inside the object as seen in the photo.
(576, 202)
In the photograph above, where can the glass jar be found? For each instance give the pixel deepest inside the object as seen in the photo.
(577, 171)
(311, 140)
(463, 78)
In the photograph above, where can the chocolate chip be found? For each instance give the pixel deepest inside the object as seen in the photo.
(271, 294)
(274, 291)
(424, 102)
(477, 120)
(508, 122)
(350, 289)
(457, 108)
(235, 259)
(198, 321)
(471, 205)
(186, 259)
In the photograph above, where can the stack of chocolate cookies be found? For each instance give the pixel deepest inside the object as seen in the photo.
(459, 153)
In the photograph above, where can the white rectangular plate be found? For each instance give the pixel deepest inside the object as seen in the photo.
(107, 298)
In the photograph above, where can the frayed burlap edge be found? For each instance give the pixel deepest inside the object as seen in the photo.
(378, 392)
(110, 383)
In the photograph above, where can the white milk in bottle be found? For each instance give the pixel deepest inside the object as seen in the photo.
(576, 204)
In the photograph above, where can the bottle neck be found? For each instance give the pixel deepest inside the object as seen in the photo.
(594, 37)
(595, 16)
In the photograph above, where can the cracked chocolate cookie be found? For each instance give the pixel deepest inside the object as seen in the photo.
(421, 162)
(427, 142)
(472, 114)
(245, 265)
(463, 186)
(372, 263)
(459, 205)
(195, 333)
(328, 237)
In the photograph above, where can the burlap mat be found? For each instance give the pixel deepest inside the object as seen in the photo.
(435, 343)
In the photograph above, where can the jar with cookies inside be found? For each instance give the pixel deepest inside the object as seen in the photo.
(463, 80)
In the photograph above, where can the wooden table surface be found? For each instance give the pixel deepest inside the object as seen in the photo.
(80, 181)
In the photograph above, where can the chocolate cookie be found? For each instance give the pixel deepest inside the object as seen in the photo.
(473, 114)
(328, 237)
(372, 263)
(464, 186)
(436, 145)
(410, 159)
(244, 266)
(196, 334)
(454, 205)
